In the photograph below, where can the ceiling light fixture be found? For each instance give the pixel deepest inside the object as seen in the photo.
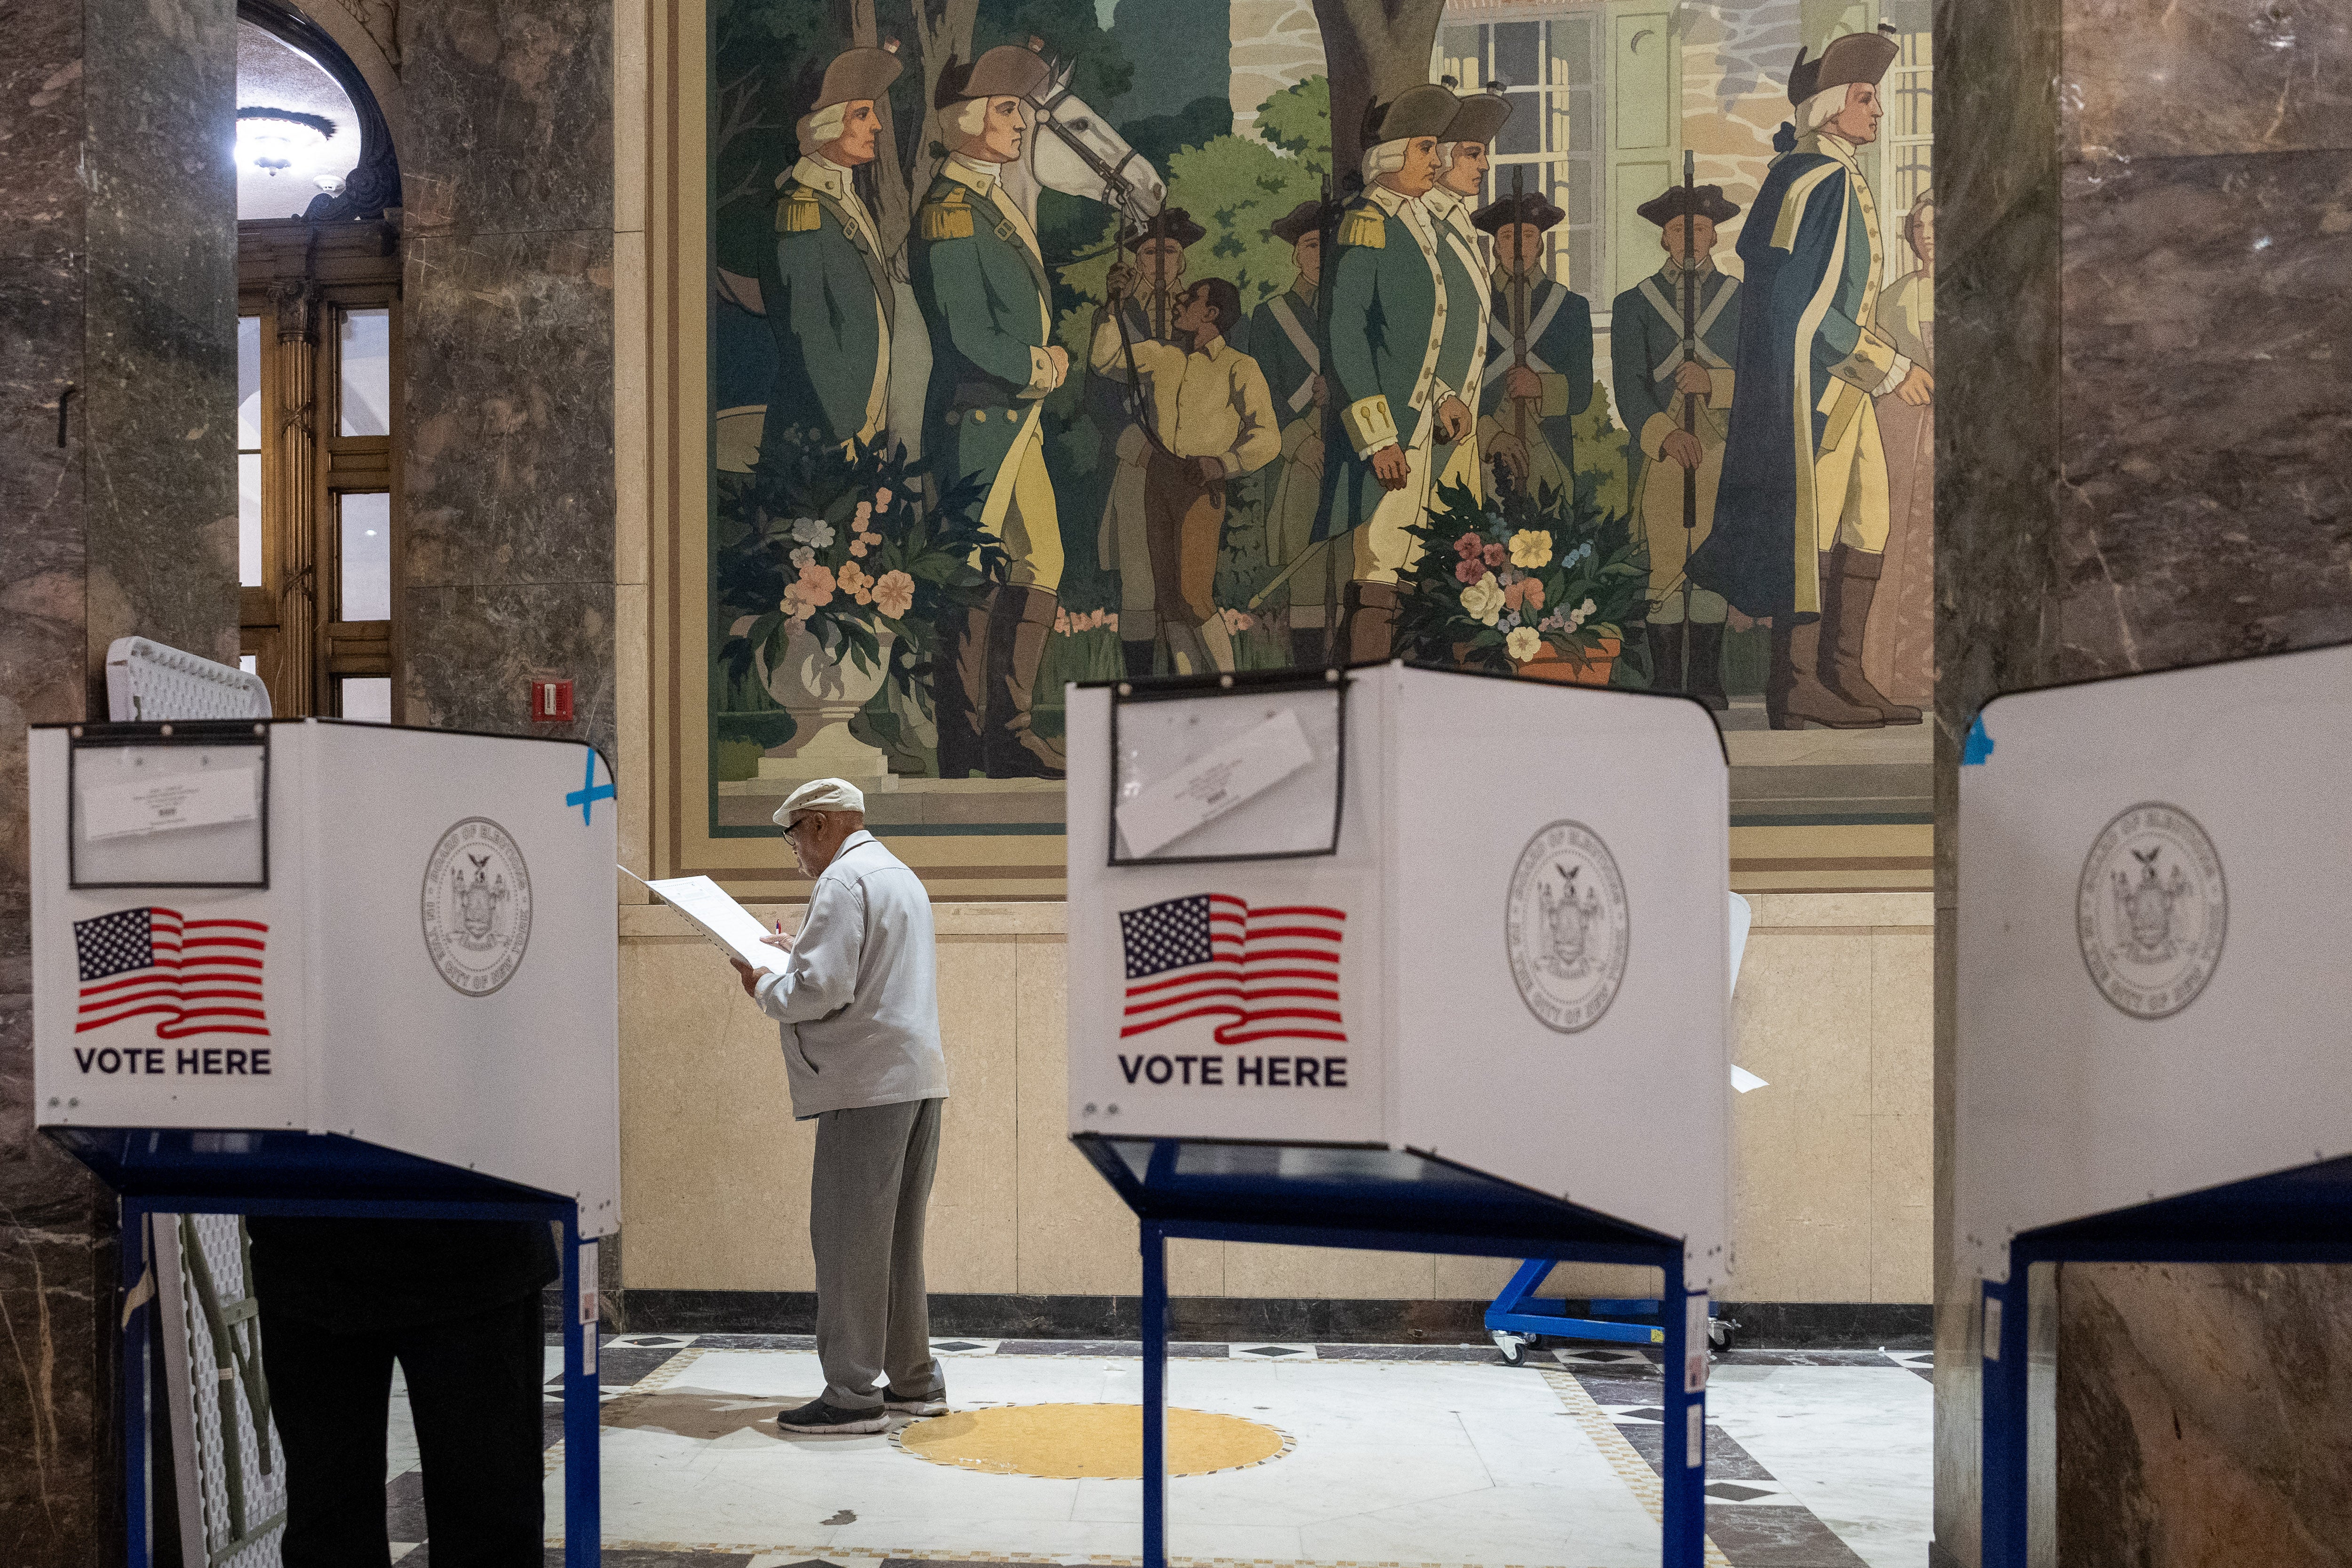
(274, 140)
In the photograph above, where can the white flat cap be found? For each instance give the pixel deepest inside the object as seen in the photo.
(819, 794)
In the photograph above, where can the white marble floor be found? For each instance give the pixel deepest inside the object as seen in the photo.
(1461, 1462)
(1851, 1443)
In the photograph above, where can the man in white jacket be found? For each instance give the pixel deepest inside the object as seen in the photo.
(858, 1002)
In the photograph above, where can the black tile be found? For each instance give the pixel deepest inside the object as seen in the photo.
(955, 1345)
(1768, 1535)
(1269, 1351)
(1726, 1460)
(403, 1506)
(1732, 1491)
(1644, 1412)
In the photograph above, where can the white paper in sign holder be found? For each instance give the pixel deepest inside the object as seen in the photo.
(1239, 771)
(174, 801)
(1695, 1356)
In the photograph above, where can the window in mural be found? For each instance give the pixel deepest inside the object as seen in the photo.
(1074, 339)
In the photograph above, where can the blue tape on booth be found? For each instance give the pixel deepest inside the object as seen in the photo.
(1979, 745)
(590, 791)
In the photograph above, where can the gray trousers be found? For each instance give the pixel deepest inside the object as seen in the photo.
(867, 1201)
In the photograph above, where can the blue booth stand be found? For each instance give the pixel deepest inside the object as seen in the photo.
(2150, 1015)
(302, 967)
(1316, 965)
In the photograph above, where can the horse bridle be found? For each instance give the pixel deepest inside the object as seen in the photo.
(1112, 175)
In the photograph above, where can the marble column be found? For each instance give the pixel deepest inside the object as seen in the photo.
(507, 246)
(2144, 295)
(117, 516)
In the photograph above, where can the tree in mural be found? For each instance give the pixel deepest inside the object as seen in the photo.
(1374, 49)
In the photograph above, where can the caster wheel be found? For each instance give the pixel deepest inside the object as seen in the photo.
(1514, 1349)
(1719, 1331)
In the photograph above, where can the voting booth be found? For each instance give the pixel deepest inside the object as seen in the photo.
(1414, 960)
(2152, 995)
(303, 966)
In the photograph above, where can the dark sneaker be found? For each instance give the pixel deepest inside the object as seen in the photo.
(899, 1403)
(817, 1416)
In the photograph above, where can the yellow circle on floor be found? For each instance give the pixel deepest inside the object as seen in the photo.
(1086, 1442)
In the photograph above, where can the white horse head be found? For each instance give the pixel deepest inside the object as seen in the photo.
(1072, 149)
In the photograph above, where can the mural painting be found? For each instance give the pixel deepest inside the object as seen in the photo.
(1584, 341)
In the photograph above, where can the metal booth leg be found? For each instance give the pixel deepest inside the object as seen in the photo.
(1683, 1381)
(132, 1243)
(1155, 1396)
(582, 1504)
(2007, 1313)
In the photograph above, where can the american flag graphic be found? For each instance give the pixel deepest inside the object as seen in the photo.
(198, 977)
(1269, 973)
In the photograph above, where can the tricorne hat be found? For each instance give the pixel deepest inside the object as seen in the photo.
(1423, 110)
(1857, 56)
(1671, 204)
(1174, 223)
(1007, 70)
(1478, 116)
(1302, 220)
(857, 74)
(1533, 207)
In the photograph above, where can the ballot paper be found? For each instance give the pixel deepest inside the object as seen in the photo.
(1211, 786)
(176, 800)
(717, 917)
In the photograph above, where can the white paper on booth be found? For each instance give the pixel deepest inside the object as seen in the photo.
(703, 902)
(1205, 789)
(204, 799)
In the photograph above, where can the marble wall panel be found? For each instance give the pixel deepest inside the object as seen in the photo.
(508, 466)
(2167, 78)
(2205, 512)
(160, 365)
(509, 115)
(472, 651)
(2204, 1415)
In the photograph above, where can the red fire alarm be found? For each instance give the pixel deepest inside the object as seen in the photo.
(551, 702)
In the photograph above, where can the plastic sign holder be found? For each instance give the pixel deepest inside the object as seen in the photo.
(1326, 929)
(2150, 1010)
(307, 967)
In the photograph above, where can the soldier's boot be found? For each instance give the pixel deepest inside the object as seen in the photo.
(1019, 623)
(1135, 657)
(959, 689)
(1850, 582)
(1665, 657)
(1707, 666)
(1219, 643)
(1306, 646)
(1793, 693)
(1370, 626)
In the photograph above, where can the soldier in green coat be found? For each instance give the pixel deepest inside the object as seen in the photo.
(980, 279)
(1388, 324)
(830, 301)
(1538, 371)
(1465, 258)
(1652, 377)
(1287, 337)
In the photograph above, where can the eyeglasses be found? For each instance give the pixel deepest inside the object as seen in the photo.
(798, 823)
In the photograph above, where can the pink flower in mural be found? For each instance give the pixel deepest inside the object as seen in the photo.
(856, 583)
(1525, 595)
(1470, 570)
(1470, 547)
(1237, 621)
(816, 586)
(1495, 554)
(882, 499)
(894, 594)
(1062, 622)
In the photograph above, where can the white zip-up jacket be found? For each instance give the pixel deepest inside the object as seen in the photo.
(859, 997)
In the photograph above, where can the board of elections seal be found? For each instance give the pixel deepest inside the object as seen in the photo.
(1567, 927)
(2151, 910)
(477, 906)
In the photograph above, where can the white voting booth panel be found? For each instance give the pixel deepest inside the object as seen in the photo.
(2154, 982)
(403, 936)
(1499, 939)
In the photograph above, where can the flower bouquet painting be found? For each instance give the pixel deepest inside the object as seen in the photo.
(839, 574)
(1537, 585)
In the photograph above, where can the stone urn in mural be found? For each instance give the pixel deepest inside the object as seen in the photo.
(821, 686)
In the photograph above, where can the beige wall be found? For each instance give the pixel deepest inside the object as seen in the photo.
(1832, 1162)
